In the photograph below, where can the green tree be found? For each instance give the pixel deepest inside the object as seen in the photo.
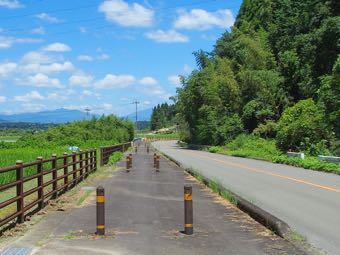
(300, 125)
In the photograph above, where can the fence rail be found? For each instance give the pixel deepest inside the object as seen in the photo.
(34, 183)
(107, 151)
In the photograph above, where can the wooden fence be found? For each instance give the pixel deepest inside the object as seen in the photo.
(107, 151)
(33, 184)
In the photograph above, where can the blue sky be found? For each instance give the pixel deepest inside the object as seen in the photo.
(102, 54)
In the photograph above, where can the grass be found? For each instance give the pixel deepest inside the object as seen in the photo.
(115, 157)
(174, 136)
(296, 237)
(102, 172)
(250, 146)
(214, 186)
(9, 138)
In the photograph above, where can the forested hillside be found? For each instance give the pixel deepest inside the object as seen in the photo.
(163, 115)
(276, 74)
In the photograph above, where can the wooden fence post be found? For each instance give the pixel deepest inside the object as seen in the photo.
(20, 190)
(81, 165)
(101, 156)
(40, 183)
(65, 162)
(95, 159)
(54, 176)
(74, 168)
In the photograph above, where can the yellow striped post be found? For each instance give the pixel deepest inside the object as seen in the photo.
(188, 211)
(100, 211)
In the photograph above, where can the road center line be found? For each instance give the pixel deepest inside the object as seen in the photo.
(267, 173)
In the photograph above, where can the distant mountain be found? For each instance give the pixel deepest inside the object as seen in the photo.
(56, 116)
(144, 115)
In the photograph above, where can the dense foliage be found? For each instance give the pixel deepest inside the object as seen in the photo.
(275, 74)
(162, 116)
(86, 133)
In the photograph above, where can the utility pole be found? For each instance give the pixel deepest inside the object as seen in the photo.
(87, 110)
(136, 103)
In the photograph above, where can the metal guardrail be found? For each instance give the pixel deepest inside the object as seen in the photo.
(296, 154)
(53, 176)
(107, 151)
(329, 159)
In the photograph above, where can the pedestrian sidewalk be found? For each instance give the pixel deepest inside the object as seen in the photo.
(145, 214)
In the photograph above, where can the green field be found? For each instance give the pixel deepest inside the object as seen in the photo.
(10, 139)
(174, 136)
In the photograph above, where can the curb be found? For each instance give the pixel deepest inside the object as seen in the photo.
(273, 223)
(278, 226)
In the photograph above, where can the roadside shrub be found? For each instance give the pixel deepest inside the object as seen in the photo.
(115, 157)
(252, 146)
(214, 149)
(300, 123)
(308, 163)
(267, 130)
(229, 129)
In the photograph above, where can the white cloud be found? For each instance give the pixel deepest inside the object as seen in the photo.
(39, 31)
(49, 68)
(174, 80)
(7, 68)
(8, 41)
(56, 96)
(148, 81)
(146, 102)
(115, 81)
(33, 95)
(3, 99)
(201, 19)
(150, 86)
(47, 17)
(85, 58)
(103, 56)
(10, 4)
(106, 106)
(32, 107)
(170, 36)
(41, 80)
(82, 80)
(87, 93)
(187, 69)
(37, 57)
(82, 30)
(125, 14)
(57, 47)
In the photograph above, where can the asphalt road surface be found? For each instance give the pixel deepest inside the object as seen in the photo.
(309, 201)
(144, 215)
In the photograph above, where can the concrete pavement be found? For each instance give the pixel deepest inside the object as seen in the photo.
(307, 200)
(144, 215)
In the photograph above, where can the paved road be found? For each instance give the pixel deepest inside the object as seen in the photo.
(144, 215)
(308, 201)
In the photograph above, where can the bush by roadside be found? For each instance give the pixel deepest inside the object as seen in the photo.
(251, 146)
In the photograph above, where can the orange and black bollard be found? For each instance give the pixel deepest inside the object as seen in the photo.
(188, 211)
(154, 160)
(157, 163)
(127, 163)
(130, 160)
(100, 211)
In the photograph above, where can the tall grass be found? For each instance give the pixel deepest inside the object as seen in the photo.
(251, 146)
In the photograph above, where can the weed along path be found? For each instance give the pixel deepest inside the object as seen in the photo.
(307, 200)
(144, 214)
